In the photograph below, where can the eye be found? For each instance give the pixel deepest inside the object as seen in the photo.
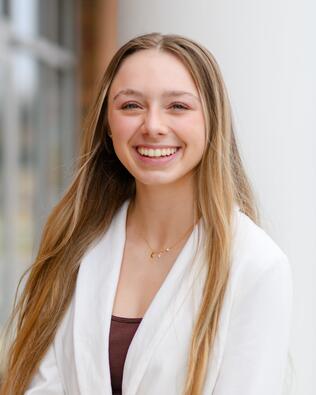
(129, 106)
(178, 106)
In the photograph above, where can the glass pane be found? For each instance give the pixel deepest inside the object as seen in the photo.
(35, 18)
(50, 19)
(56, 21)
(4, 7)
(24, 17)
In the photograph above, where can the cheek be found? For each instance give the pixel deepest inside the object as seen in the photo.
(123, 127)
(193, 132)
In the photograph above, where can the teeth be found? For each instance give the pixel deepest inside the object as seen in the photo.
(156, 153)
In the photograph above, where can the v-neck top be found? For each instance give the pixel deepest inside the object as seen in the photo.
(122, 331)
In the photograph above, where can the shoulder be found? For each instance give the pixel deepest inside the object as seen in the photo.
(250, 239)
(255, 255)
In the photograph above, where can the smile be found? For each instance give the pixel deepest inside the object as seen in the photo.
(156, 152)
(152, 156)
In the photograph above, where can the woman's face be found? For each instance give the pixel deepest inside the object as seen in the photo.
(156, 119)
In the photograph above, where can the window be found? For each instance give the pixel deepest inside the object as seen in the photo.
(37, 126)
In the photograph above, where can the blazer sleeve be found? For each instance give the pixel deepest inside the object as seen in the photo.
(256, 349)
(46, 380)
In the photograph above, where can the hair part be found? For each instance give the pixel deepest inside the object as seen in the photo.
(100, 186)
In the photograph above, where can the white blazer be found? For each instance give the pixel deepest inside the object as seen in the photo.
(251, 345)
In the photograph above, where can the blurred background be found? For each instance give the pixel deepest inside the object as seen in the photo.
(52, 56)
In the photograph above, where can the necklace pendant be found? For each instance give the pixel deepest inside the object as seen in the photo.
(156, 254)
(159, 254)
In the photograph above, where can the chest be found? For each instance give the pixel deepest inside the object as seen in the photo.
(140, 279)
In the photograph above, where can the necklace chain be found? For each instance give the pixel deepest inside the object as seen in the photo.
(157, 254)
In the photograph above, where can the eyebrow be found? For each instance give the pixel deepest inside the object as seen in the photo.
(172, 93)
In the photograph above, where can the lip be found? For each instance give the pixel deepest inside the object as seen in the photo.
(154, 160)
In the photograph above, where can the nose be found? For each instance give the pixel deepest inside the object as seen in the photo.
(154, 122)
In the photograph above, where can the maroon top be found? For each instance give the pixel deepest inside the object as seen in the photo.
(122, 331)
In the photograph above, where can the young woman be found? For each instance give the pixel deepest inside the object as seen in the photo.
(153, 276)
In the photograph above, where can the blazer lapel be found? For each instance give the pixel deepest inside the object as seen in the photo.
(94, 297)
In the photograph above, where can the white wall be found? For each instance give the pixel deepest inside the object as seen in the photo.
(267, 53)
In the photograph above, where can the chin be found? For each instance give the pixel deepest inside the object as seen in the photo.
(155, 181)
(159, 181)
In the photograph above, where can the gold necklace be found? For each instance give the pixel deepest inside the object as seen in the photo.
(157, 254)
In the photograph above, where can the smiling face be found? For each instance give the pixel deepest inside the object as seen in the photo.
(156, 119)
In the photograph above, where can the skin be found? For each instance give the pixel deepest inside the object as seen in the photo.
(154, 115)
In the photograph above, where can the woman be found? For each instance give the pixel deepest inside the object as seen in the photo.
(153, 276)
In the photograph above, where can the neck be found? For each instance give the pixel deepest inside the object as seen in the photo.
(162, 214)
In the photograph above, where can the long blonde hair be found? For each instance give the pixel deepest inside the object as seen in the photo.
(100, 186)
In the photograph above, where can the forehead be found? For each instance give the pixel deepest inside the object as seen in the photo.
(153, 69)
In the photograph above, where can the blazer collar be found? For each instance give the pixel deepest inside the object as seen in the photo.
(94, 297)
